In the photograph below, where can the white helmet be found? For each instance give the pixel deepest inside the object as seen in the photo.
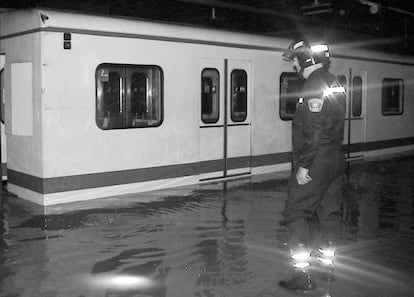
(307, 54)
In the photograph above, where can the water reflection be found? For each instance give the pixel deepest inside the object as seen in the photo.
(215, 240)
(222, 251)
(23, 258)
(3, 230)
(380, 198)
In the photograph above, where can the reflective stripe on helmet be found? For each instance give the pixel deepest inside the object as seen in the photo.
(318, 48)
(298, 45)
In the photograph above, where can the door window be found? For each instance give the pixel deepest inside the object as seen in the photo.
(238, 95)
(290, 91)
(210, 95)
(356, 96)
(2, 99)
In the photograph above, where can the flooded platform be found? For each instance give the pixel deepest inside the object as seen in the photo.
(213, 240)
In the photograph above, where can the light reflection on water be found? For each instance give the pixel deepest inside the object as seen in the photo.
(216, 240)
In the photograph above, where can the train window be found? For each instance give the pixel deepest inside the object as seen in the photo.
(290, 91)
(210, 95)
(2, 99)
(128, 96)
(392, 96)
(342, 81)
(357, 96)
(238, 95)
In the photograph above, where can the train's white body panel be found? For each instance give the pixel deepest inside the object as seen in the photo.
(56, 152)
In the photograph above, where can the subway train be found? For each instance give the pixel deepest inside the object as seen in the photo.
(95, 106)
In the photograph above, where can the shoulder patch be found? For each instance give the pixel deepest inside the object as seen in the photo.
(315, 104)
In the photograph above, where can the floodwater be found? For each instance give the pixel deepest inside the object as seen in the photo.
(213, 240)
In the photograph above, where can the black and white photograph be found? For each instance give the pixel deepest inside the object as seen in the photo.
(207, 148)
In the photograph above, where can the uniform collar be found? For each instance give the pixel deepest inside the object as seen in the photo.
(309, 70)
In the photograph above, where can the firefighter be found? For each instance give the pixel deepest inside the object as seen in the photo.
(312, 212)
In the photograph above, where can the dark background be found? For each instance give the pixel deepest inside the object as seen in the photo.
(386, 25)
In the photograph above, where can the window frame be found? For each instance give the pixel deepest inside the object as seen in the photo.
(126, 119)
(235, 91)
(215, 103)
(357, 100)
(294, 97)
(393, 82)
(343, 82)
(2, 99)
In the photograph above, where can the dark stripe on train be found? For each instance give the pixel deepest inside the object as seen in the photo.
(185, 40)
(378, 145)
(79, 182)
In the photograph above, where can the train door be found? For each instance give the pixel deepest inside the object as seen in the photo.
(225, 131)
(237, 123)
(211, 132)
(3, 158)
(354, 134)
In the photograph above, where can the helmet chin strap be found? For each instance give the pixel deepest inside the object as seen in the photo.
(308, 70)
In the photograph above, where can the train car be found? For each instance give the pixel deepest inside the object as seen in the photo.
(97, 106)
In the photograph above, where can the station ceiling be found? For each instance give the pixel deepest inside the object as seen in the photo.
(382, 24)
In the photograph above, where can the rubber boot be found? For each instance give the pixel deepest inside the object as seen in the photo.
(300, 281)
(326, 258)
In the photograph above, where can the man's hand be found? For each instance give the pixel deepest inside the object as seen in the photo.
(302, 176)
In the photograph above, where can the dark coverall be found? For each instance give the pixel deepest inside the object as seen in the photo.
(313, 210)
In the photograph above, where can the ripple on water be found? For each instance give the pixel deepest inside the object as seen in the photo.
(218, 243)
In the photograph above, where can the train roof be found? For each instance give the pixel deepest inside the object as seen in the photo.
(53, 20)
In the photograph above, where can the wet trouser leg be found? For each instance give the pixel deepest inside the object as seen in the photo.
(330, 213)
(322, 197)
